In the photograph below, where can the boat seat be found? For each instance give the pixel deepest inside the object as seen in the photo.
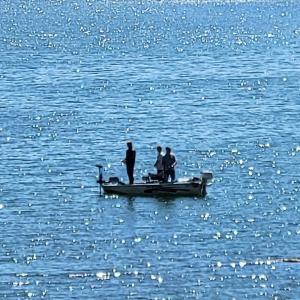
(113, 180)
(146, 178)
(152, 177)
(156, 177)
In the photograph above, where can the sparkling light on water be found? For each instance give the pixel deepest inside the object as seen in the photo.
(218, 81)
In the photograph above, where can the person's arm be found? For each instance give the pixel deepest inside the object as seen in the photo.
(156, 163)
(124, 161)
(175, 162)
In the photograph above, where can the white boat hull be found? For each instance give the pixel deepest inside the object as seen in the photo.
(151, 186)
(156, 188)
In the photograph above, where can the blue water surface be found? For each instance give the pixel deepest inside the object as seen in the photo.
(217, 81)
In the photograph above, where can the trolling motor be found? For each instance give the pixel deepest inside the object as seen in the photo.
(100, 177)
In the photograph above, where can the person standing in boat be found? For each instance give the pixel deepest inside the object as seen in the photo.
(130, 161)
(159, 163)
(169, 163)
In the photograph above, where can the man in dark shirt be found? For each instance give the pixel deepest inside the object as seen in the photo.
(129, 161)
(169, 163)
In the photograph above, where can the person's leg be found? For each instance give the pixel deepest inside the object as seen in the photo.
(160, 175)
(130, 174)
(167, 173)
(172, 174)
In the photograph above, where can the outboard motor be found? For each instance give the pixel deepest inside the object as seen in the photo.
(206, 175)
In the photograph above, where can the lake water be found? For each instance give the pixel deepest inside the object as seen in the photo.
(218, 82)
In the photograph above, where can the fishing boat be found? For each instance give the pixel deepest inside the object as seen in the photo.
(152, 186)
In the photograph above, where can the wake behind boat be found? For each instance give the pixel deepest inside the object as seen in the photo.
(151, 186)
